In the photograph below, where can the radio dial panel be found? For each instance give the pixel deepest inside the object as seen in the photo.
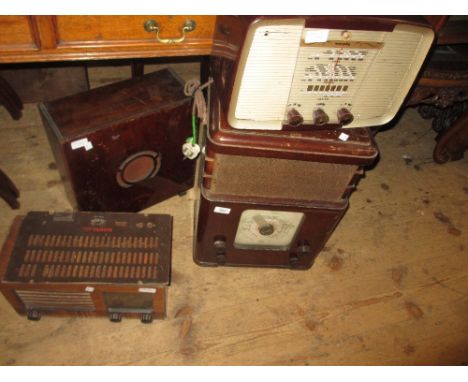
(268, 230)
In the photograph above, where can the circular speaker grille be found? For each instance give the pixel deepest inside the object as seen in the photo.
(138, 167)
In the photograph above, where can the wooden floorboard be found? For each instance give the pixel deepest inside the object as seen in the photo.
(390, 288)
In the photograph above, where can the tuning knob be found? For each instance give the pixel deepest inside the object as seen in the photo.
(219, 245)
(319, 117)
(294, 117)
(344, 116)
(264, 228)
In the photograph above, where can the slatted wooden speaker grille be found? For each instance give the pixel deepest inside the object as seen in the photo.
(85, 257)
(124, 255)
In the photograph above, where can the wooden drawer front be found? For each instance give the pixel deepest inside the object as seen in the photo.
(17, 33)
(115, 30)
(58, 38)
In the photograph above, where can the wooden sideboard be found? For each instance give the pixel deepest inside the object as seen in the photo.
(64, 38)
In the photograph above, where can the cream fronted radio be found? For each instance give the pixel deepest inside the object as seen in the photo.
(289, 74)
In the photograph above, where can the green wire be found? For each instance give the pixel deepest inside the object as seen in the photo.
(194, 129)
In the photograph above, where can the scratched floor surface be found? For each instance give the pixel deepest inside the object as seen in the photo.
(391, 286)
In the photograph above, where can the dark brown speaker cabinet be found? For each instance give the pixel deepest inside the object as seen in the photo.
(118, 147)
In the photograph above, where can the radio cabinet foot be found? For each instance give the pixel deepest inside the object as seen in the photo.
(34, 315)
(115, 317)
(146, 318)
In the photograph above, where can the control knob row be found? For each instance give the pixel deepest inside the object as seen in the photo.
(319, 117)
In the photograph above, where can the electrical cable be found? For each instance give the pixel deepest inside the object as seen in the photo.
(194, 89)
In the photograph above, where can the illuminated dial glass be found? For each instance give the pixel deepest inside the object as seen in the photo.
(267, 230)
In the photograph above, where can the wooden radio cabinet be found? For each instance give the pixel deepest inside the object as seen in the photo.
(118, 147)
(88, 264)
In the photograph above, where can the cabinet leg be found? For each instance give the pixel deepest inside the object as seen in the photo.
(453, 142)
(10, 100)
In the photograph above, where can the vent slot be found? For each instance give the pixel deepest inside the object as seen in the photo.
(92, 241)
(52, 300)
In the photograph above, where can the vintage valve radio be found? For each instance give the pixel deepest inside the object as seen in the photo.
(281, 159)
(306, 72)
(88, 264)
(274, 198)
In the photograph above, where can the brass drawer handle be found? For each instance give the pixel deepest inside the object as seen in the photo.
(153, 26)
